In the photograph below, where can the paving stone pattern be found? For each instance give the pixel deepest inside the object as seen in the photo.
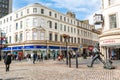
(55, 70)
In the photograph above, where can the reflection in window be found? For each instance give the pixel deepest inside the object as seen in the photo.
(56, 37)
(35, 22)
(113, 23)
(27, 36)
(42, 36)
(34, 35)
(21, 36)
(50, 36)
(34, 10)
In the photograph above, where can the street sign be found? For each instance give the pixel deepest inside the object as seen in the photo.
(81, 46)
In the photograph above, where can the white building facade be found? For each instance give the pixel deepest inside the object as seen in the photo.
(110, 37)
(38, 28)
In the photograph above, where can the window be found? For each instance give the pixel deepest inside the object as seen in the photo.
(50, 24)
(34, 10)
(42, 36)
(55, 25)
(60, 17)
(68, 29)
(56, 37)
(10, 28)
(61, 27)
(64, 18)
(78, 40)
(21, 24)
(74, 30)
(16, 26)
(42, 11)
(27, 36)
(10, 18)
(21, 36)
(28, 22)
(16, 15)
(68, 20)
(71, 39)
(21, 13)
(113, 23)
(50, 13)
(16, 37)
(64, 27)
(55, 15)
(74, 40)
(27, 11)
(78, 31)
(34, 35)
(61, 37)
(9, 39)
(50, 36)
(71, 30)
(34, 21)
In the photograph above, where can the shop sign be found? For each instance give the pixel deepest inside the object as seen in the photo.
(109, 41)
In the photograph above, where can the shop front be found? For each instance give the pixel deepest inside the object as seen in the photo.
(111, 48)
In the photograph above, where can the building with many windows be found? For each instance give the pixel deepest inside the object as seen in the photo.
(38, 28)
(5, 7)
(110, 37)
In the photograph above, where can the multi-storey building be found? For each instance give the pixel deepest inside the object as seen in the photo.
(110, 37)
(5, 7)
(38, 28)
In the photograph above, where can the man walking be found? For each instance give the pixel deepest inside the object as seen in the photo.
(96, 56)
(7, 61)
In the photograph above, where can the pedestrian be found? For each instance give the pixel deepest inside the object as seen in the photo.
(34, 57)
(41, 56)
(96, 56)
(38, 58)
(7, 61)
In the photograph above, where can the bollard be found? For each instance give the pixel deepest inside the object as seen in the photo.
(76, 60)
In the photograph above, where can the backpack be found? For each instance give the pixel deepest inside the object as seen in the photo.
(108, 65)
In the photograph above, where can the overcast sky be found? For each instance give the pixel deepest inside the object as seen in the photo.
(84, 9)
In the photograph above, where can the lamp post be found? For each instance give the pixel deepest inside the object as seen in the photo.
(66, 37)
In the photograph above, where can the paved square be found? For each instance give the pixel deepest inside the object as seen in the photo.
(56, 70)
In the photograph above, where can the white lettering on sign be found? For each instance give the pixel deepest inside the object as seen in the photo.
(109, 41)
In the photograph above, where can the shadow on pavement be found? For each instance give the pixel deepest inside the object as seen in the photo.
(16, 78)
(18, 69)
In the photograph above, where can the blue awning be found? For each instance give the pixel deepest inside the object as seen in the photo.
(41, 47)
(7, 49)
(54, 47)
(17, 48)
(63, 48)
(74, 48)
(29, 47)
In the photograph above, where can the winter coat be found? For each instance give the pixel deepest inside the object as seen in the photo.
(7, 59)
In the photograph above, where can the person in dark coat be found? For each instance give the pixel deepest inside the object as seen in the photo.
(34, 57)
(7, 61)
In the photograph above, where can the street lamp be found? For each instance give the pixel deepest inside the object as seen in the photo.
(66, 37)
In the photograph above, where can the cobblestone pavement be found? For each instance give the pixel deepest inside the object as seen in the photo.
(56, 70)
